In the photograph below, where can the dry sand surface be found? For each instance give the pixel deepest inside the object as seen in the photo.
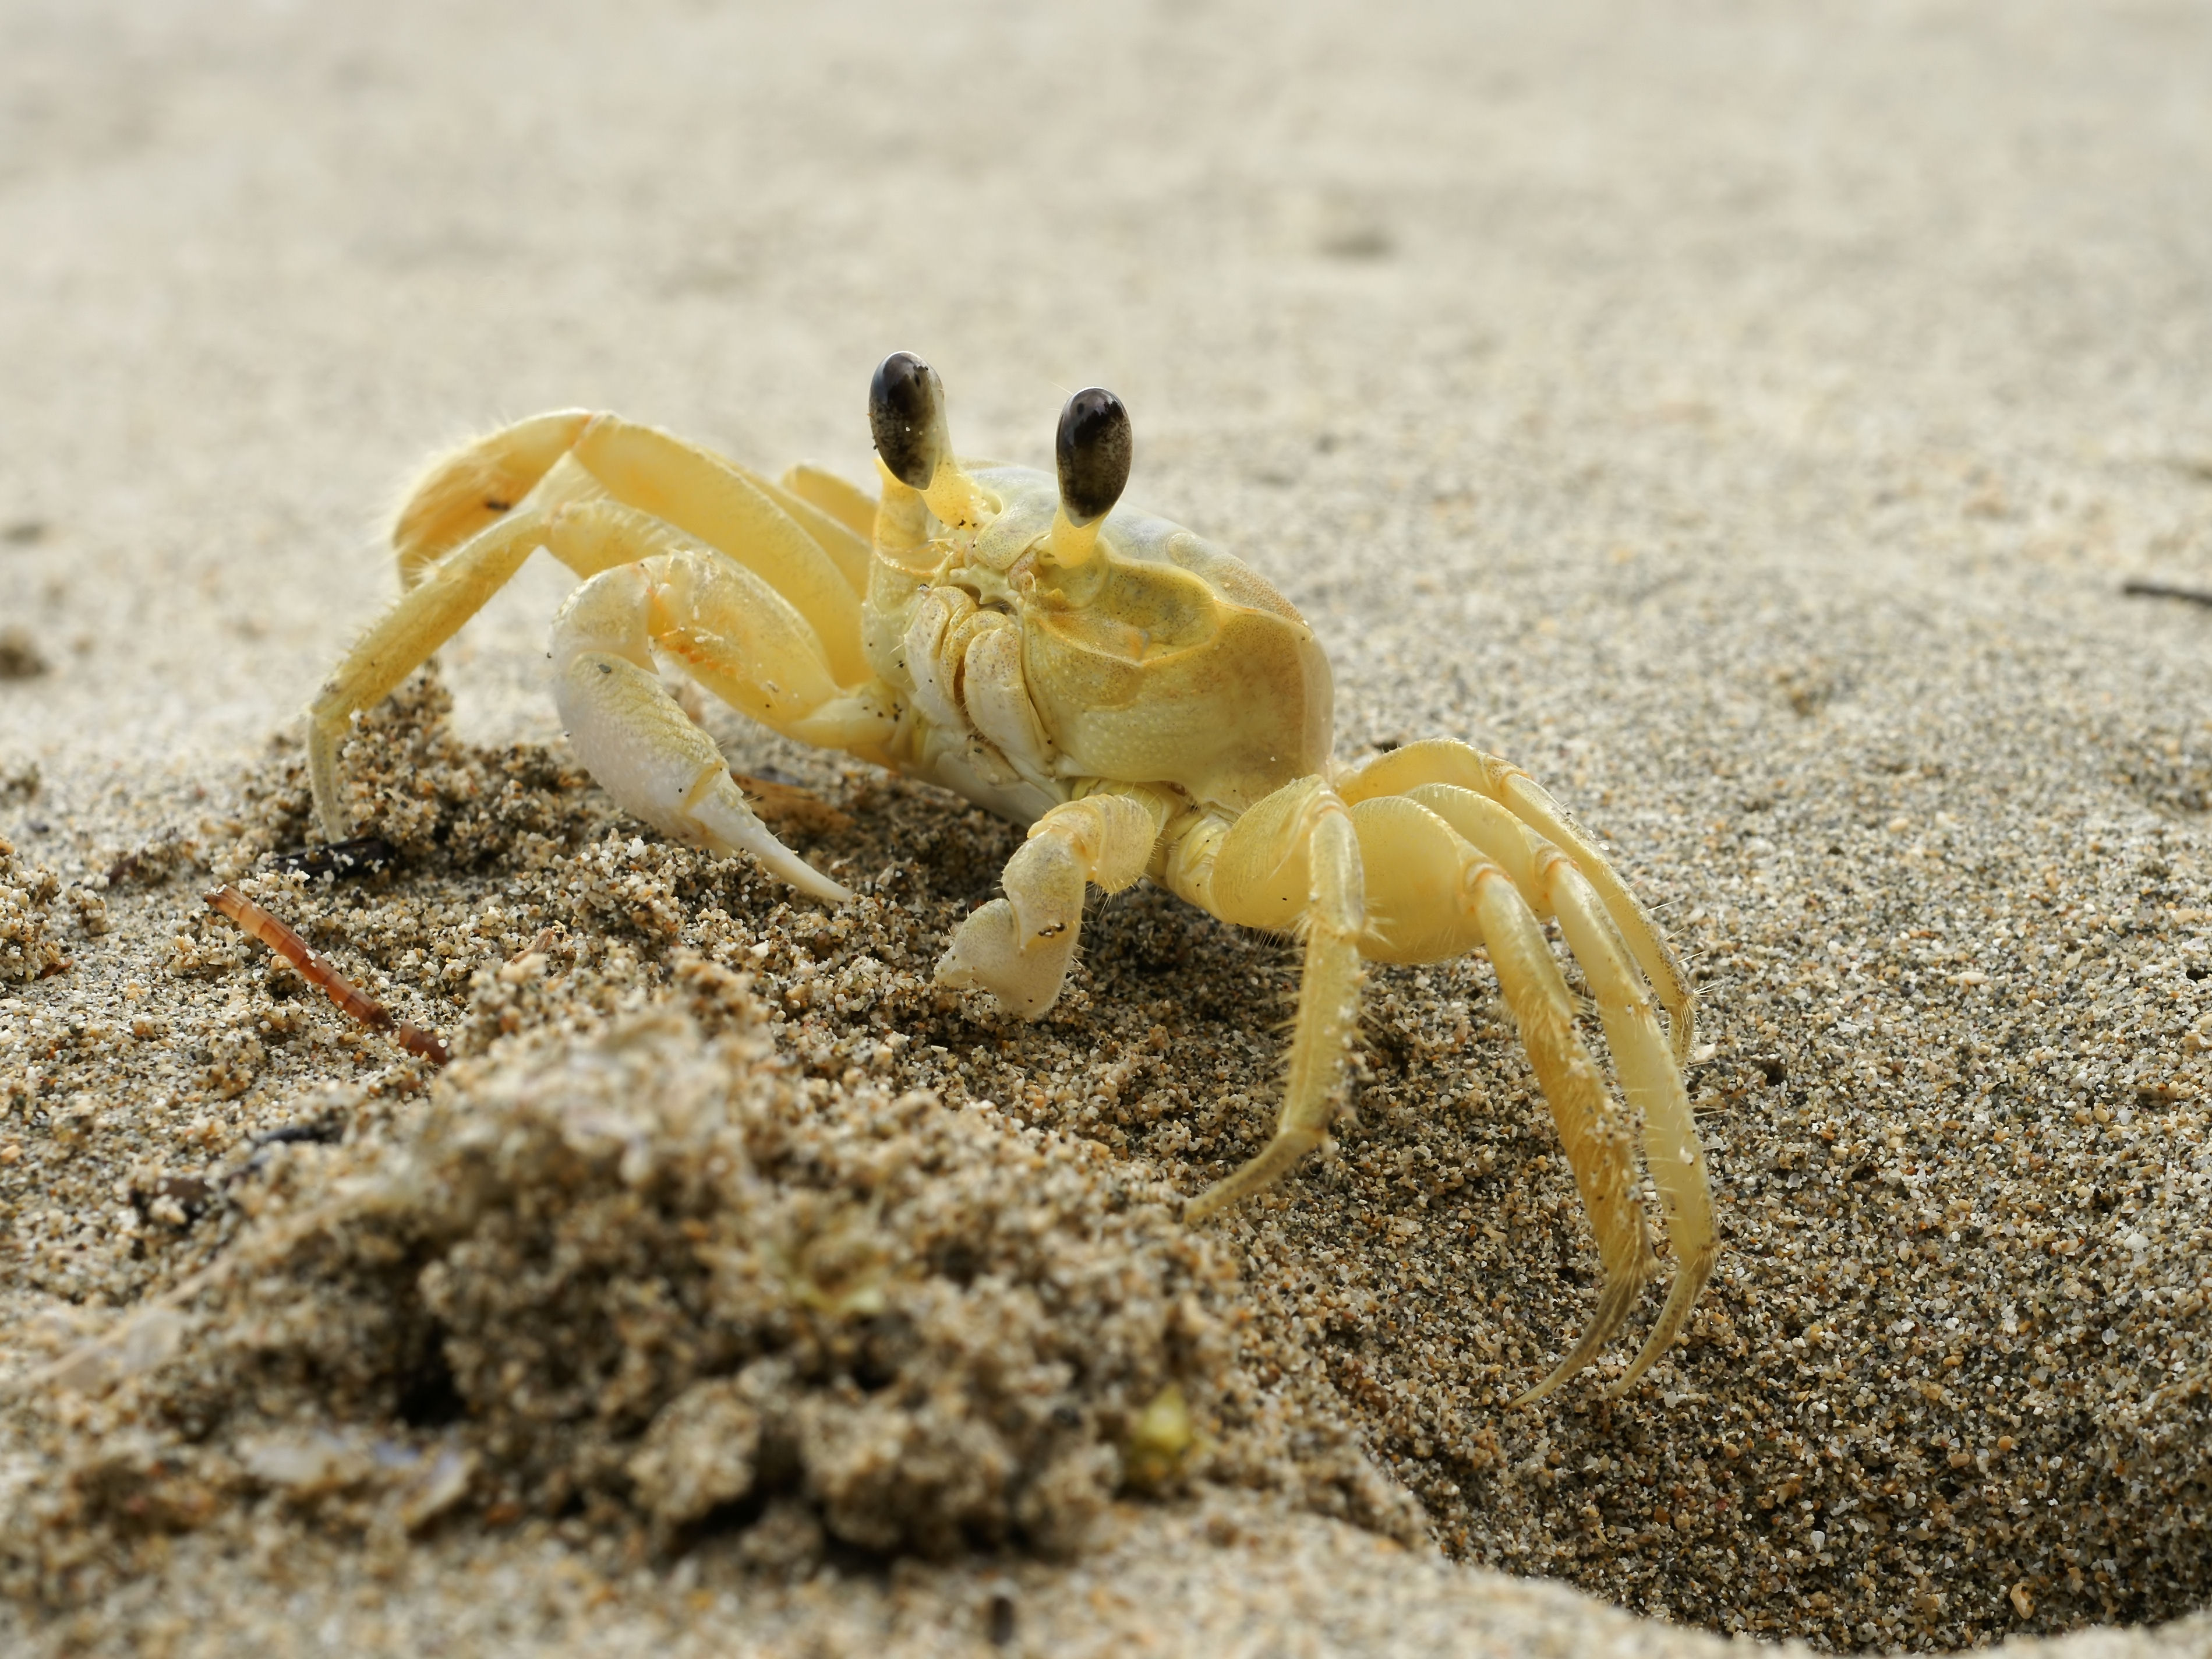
(1744, 419)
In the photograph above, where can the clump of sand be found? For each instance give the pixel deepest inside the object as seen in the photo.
(655, 1276)
(27, 948)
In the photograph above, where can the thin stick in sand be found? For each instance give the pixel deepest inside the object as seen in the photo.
(2143, 590)
(251, 918)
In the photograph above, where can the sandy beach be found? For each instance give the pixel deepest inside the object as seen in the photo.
(1749, 424)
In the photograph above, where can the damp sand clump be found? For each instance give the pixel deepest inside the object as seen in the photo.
(29, 949)
(654, 1277)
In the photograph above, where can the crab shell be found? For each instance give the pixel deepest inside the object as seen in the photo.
(1163, 659)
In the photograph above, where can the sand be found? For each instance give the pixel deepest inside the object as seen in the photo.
(1748, 425)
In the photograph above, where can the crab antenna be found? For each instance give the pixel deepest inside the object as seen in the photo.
(1095, 448)
(906, 411)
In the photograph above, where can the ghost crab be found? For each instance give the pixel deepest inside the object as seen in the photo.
(1144, 703)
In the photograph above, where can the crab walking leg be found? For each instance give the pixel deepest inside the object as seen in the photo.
(1594, 1133)
(643, 749)
(568, 515)
(595, 491)
(401, 640)
(1018, 947)
(1653, 950)
(1292, 863)
(1445, 760)
(461, 494)
(844, 501)
(811, 556)
(1653, 1084)
(518, 492)
(1414, 855)
(1650, 1074)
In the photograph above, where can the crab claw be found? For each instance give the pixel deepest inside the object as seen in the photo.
(987, 954)
(1018, 948)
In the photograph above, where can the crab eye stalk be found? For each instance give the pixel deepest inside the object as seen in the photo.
(906, 409)
(1095, 448)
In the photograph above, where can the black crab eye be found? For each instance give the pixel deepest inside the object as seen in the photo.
(1095, 448)
(905, 406)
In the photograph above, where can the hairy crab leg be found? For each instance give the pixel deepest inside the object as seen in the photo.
(438, 598)
(1446, 760)
(1018, 947)
(1414, 856)
(401, 640)
(480, 512)
(463, 493)
(471, 522)
(1653, 1085)
(1291, 864)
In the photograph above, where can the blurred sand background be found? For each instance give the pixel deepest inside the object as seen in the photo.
(1744, 418)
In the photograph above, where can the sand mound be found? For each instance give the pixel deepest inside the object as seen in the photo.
(27, 950)
(654, 1277)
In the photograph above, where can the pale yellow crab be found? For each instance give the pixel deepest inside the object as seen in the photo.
(1144, 703)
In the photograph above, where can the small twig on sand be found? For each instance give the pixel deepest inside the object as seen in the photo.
(2142, 590)
(252, 919)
